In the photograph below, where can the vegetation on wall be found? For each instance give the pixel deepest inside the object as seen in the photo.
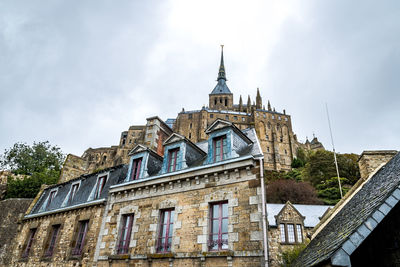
(38, 164)
(313, 178)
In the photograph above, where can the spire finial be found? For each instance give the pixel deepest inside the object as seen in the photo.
(221, 73)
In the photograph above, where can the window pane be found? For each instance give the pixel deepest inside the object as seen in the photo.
(290, 229)
(224, 226)
(215, 226)
(171, 226)
(282, 230)
(225, 210)
(172, 216)
(299, 233)
(215, 211)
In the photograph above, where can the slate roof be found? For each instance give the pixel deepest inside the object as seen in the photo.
(360, 207)
(312, 213)
(87, 183)
(221, 88)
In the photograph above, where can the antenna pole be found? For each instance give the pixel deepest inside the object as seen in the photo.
(334, 152)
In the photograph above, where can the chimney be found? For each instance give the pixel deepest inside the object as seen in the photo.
(371, 160)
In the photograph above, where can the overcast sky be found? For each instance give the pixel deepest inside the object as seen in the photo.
(78, 73)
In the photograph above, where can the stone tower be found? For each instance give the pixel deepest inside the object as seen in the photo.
(221, 97)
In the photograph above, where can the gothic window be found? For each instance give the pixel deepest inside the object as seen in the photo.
(218, 237)
(29, 242)
(101, 181)
(172, 159)
(291, 233)
(80, 238)
(220, 148)
(125, 234)
(165, 231)
(52, 242)
(135, 172)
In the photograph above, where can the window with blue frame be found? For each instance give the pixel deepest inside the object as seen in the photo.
(220, 148)
(135, 172)
(172, 159)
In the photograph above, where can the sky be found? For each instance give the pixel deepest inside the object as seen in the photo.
(78, 73)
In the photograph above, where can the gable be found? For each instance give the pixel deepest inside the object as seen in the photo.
(174, 138)
(289, 214)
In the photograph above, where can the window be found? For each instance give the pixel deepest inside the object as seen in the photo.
(299, 233)
(29, 243)
(227, 117)
(51, 197)
(285, 119)
(53, 238)
(283, 232)
(190, 116)
(100, 186)
(220, 148)
(172, 159)
(265, 116)
(281, 138)
(218, 239)
(267, 137)
(135, 172)
(190, 135)
(272, 116)
(279, 117)
(125, 234)
(291, 233)
(235, 118)
(215, 101)
(190, 126)
(243, 119)
(220, 100)
(74, 189)
(268, 149)
(80, 241)
(285, 152)
(226, 102)
(166, 229)
(211, 116)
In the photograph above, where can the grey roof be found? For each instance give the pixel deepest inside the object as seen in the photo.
(354, 213)
(87, 183)
(221, 88)
(312, 213)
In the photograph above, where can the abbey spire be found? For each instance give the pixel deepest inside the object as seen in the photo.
(221, 73)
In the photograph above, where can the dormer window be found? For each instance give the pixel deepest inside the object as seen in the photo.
(100, 186)
(137, 163)
(220, 148)
(74, 189)
(51, 197)
(172, 159)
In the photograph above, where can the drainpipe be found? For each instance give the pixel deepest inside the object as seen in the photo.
(264, 213)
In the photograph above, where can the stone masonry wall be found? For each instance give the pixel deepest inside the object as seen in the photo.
(11, 210)
(369, 161)
(191, 200)
(69, 222)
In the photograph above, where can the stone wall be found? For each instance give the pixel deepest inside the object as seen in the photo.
(64, 242)
(11, 210)
(369, 161)
(190, 197)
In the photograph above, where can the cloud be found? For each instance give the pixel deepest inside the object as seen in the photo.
(79, 73)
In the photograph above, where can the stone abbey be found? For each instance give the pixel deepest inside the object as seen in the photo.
(274, 130)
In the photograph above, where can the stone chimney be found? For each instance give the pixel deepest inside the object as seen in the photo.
(371, 160)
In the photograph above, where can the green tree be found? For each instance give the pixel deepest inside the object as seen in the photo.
(321, 167)
(329, 192)
(41, 163)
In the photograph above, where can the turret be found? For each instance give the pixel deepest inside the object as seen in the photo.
(258, 100)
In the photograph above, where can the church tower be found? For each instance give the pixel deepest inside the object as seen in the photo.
(221, 97)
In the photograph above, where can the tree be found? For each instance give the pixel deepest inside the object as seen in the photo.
(282, 190)
(40, 163)
(321, 167)
(329, 190)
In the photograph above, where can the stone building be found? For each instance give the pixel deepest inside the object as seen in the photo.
(274, 131)
(198, 205)
(62, 224)
(153, 134)
(362, 230)
(290, 224)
